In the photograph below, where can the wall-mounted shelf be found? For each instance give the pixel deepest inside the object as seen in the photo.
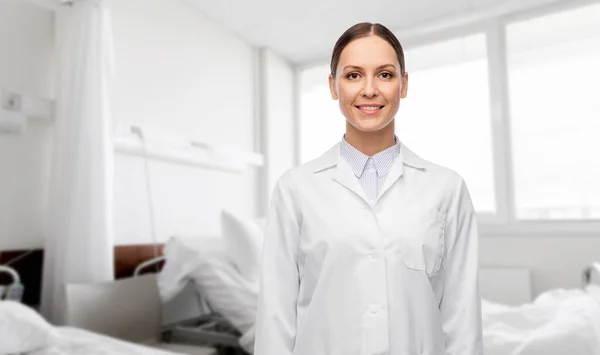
(182, 151)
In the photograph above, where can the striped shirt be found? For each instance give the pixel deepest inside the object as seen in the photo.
(370, 171)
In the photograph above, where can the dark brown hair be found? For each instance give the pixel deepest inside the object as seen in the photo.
(365, 29)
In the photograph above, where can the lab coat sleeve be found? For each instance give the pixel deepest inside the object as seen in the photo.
(460, 307)
(279, 285)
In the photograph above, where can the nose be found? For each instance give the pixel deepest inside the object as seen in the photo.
(369, 89)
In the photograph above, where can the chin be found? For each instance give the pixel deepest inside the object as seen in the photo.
(369, 125)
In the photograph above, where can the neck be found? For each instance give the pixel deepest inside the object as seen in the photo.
(371, 143)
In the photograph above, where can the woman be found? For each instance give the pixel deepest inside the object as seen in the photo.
(369, 249)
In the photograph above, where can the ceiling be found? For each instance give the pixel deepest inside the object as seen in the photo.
(304, 31)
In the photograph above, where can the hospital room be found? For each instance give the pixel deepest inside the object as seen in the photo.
(152, 153)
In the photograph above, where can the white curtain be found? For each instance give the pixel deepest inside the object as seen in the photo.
(79, 239)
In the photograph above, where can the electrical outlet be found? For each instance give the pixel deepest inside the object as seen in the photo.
(10, 101)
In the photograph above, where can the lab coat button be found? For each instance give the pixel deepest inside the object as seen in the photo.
(374, 255)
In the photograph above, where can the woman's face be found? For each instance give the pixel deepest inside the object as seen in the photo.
(368, 83)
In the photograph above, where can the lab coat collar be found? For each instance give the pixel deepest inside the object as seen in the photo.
(358, 160)
(345, 176)
(333, 157)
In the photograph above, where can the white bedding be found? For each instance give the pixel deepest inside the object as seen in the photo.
(73, 341)
(25, 331)
(558, 322)
(204, 261)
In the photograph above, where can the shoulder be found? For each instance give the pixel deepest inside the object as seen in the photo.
(436, 179)
(433, 172)
(293, 178)
(447, 177)
(300, 173)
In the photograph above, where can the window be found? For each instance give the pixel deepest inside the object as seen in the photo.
(554, 73)
(445, 117)
(321, 122)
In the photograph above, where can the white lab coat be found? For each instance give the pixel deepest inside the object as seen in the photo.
(342, 276)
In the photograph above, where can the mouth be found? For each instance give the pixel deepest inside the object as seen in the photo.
(369, 109)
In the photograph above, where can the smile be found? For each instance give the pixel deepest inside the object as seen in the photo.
(369, 110)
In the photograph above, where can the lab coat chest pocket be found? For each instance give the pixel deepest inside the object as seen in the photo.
(420, 239)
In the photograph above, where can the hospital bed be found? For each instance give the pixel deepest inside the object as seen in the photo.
(208, 330)
(95, 323)
(557, 322)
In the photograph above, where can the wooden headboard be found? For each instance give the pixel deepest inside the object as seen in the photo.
(30, 262)
(128, 257)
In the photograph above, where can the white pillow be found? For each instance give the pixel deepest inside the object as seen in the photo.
(205, 261)
(227, 293)
(182, 256)
(23, 330)
(243, 239)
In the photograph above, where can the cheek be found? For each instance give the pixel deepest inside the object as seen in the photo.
(392, 93)
(348, 94)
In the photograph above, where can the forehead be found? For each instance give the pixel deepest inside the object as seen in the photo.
(368, 51)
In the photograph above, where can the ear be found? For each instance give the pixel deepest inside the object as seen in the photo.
(334, 94)
(404, 85)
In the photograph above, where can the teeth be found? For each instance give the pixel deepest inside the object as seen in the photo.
(369, 108)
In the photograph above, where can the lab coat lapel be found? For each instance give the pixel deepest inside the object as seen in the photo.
(405, 158)
(343, 172)
(395, 173)
(345, 176)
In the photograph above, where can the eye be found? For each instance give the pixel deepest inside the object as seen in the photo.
(352, 76)
(386, 75)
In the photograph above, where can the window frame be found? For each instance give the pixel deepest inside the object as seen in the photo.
(512, 225)
(504, 222)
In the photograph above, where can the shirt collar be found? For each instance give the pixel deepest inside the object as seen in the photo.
(358, 160)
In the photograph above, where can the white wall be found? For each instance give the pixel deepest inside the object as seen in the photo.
(179, 72)
(175, 71)
(278, 139)
(26, 47)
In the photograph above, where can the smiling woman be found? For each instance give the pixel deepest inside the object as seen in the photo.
(368, 79)
(369, 249)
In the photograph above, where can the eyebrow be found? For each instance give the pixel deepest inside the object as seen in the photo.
(356, 67)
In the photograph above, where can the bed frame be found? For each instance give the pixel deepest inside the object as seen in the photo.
(29, 262)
